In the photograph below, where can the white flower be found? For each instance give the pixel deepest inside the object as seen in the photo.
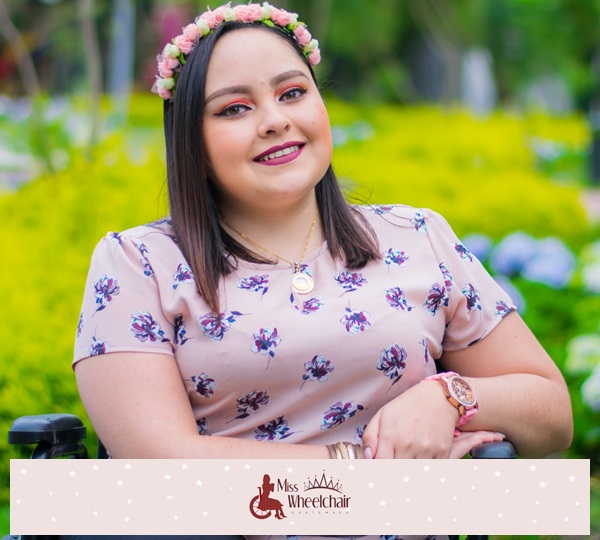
(311, 45)
(167, 84)
(171, 50)
(267, 9)
(202, 27)
(590, 390)
(583, 354)
(229, 14)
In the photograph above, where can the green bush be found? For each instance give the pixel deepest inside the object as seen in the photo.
(479, 172)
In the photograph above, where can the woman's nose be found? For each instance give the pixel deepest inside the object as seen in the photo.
(273, 121)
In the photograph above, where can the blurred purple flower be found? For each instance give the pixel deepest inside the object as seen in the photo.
(479, 245)
(512, 253)
(553, 263)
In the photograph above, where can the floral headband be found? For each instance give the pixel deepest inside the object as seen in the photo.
(172, 58)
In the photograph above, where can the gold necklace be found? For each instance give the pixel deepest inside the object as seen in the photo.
(301, 283)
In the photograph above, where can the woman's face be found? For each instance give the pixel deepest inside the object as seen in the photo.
(266, 129)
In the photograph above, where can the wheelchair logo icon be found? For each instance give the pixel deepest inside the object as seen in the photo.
(263, 505)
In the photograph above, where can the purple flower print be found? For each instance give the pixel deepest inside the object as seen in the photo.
(436, 298)
(356, 321)
(275, 430)
(338, 413)
(419, 222)
(79, 325)
(250, 403)
(203, 385)
(203, 425)
(116, 237)
(425, 343)
(215, 326)
(382, 209)
(318, 369)
(503, 309)
(472, 296)
(265, 341)
(395, 256)
(105, 289)
(392, 362)
(180, 330)
(448, 279)
(360, 431)
(148, 270)
(462, 251)
(141, 247)
(312, 305)
(145, 328)
(395, 298)
(350, 281)
(254, 284)
(98, 347)
(183, 274)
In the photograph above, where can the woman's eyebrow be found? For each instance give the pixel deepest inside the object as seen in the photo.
(242, 89)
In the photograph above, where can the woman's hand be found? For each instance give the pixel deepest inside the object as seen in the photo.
(420, 424)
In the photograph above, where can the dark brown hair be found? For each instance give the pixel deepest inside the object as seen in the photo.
(209, 250)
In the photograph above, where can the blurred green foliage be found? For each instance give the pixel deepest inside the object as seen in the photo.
(479, 172)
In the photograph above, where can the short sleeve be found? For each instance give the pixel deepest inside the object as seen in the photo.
(121, 310)
(473, 302)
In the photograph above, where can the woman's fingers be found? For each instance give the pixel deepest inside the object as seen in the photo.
(463, 444)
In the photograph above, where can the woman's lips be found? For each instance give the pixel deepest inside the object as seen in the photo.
(279, 155)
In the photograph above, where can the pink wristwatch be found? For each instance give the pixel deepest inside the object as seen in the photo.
(459, 393)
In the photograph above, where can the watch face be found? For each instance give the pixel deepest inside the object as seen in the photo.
(462, 391)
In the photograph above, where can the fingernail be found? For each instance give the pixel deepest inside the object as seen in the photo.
(368, 453)
(501, 434)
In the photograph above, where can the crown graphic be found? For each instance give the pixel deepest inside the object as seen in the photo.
(323, 483)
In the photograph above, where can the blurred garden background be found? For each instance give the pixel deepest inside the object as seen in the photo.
(487, 111)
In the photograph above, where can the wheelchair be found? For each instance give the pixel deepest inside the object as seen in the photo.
(63, 436)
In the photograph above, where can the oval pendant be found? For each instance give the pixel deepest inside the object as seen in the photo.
(302, 283)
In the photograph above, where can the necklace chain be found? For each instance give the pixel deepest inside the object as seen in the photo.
(295, 265)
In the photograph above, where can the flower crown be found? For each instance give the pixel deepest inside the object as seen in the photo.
(172, 58)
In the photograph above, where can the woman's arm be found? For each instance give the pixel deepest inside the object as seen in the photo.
(521, 394)
(139, 408)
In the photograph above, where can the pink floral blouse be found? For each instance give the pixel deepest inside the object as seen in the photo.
(279, 366)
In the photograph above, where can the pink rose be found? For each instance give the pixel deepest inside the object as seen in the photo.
(280, 17)
(166, 65)
(185, 45)
(213, 18)
(249, 13)
(314, 57)
(302, 35)
(191, 32)
(164, 93)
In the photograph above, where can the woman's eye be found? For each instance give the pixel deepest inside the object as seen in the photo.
(234, 110)
(293, 93)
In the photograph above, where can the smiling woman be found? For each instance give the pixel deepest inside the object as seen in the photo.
(271, 315)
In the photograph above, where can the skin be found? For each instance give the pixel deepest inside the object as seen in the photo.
(521, 392)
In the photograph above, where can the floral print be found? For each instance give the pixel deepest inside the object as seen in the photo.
(472, 296)
(318, 369)
(215, 326)
(255, 284)
(180, 330)
(338, 413)
(360, 431)
(203, 385)
(448, 279)
(462, 251)
(436, 298)
(146, 329)
(503, 309)
(265, 341)
(312, 305)
(356, 321)
(275, 430)
(382, 209)
(392, 362)
(116, 237)
(183, 274)
(350, 281)
(395, 298)
(419, 222)
(250, 403)
(98, 347)
(203, 425)
(148, 270)
(395, 257)
(105, 289)
(425, 343)
(79, 325)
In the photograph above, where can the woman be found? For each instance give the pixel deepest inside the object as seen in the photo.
(268, 310)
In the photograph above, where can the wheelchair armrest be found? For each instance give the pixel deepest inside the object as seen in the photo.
(494, 450)
(50, 428)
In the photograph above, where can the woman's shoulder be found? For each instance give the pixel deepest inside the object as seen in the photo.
(385, 216)
(155, 231)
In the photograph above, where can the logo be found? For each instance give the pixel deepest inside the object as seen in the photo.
(319, 495)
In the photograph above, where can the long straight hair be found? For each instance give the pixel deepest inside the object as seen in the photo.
(194, 199)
